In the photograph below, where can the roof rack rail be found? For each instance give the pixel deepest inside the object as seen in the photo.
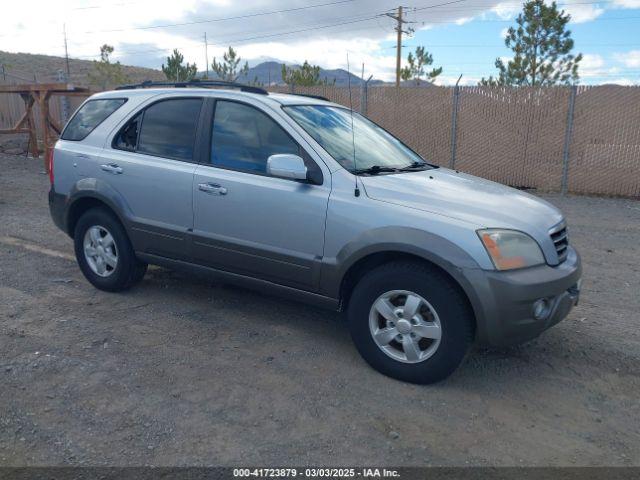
(195, 83)
(317, 97)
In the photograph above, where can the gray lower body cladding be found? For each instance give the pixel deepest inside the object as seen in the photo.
(502, 301)
(57, 208)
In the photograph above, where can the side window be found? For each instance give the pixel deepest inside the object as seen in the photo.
(244, 138)
(165, 129)
(127, 138)
(90, 115)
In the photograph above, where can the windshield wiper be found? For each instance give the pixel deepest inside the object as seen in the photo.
(416, 166)
(374, 170)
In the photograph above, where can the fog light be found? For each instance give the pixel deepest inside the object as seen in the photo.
(541, 309)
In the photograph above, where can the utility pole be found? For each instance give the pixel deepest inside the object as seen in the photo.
(206, 53)
(400, 21)
(399, 46)
(66, 52)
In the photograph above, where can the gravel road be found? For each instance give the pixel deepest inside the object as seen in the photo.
(181, 371)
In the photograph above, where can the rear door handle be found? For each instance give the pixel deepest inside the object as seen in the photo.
(212, 188)
(111, 168)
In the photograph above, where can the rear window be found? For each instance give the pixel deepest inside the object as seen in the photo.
(165, 129)
(89, 116)
(169, 128)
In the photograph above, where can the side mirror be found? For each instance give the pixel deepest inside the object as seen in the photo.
(286, 165)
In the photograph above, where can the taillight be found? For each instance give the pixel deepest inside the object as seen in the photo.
(50, 164)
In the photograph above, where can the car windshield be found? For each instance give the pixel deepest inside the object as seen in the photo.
(375, 149)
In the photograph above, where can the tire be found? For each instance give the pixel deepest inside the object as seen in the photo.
(116, 276)
(410, 356)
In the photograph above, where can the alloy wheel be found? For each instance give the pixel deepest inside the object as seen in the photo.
(100, 251)
(405, 326)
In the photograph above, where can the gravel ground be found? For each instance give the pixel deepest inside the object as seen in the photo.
(180, 371)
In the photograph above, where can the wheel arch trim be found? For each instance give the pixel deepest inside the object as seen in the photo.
(96, 190)
(407, 242)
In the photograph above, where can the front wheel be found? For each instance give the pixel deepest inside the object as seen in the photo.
(104, 252)
(410, 321)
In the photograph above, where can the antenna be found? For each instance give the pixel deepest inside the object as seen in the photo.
(356, 191)
(206, 54)
(66, 52)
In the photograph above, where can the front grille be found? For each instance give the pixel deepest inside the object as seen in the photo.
(560, 241)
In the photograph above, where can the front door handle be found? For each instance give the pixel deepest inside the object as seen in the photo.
(111, 168)
(212, 188)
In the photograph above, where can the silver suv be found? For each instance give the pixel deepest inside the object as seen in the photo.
(301, 197)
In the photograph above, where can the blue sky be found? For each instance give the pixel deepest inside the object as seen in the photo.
(610, 44)
(465, 36)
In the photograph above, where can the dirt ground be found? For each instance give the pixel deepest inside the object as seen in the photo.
(180, 371)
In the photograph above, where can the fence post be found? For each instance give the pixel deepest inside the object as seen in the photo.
(454, 125)
(567, 139)
(64, 101)
(364, 87)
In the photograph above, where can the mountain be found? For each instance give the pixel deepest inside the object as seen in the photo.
(25, 67)
(270, 73)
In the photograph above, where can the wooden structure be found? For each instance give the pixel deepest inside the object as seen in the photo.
(39, 94)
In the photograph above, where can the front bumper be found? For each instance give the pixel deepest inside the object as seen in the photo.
(504, 308)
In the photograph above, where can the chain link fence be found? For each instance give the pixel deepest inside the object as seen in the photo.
(582, 140)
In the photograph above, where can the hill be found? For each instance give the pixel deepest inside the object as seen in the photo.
(25, 67)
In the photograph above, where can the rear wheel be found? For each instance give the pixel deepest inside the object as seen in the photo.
(411, 322)
(104, 252)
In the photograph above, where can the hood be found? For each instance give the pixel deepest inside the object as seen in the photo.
(472, 199)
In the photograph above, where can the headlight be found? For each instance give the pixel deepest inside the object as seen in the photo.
(511, 249)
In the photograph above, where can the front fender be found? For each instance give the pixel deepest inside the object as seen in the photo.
(427, 246)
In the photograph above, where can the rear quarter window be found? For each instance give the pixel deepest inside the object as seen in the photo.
(89, 116)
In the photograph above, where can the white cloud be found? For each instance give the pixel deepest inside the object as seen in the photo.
(581, 12)
(507, 10)
(627, 82)
(629, 59)
(452, 79)
(595, 70)
(627, 3)
(91, 23)
(463, 20)
(591, 62)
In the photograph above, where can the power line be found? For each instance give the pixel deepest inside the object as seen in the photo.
(221, 19)
(249, 39)
(488, 45)
(508, 4)
(312, 28)
(446, 22)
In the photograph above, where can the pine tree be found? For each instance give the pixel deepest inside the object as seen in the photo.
(542, 48)
(227, 70)
(106, 74)
(176, 71)
(416, 67)
(305, 76)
